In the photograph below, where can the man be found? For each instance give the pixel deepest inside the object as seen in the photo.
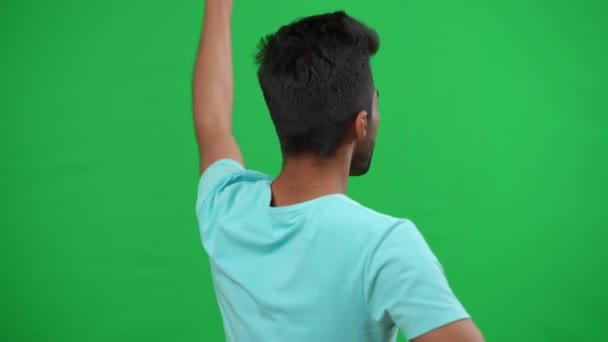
(293, 258)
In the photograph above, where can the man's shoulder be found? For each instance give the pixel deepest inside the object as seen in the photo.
(228, 177)
(359, 209)
(354, 213)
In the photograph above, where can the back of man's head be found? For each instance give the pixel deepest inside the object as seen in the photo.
(316, 77)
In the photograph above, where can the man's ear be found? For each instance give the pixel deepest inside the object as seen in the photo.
(361, 129)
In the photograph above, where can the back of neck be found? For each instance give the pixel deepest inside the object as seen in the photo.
(304, 179)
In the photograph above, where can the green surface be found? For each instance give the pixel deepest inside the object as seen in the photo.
(493, 140)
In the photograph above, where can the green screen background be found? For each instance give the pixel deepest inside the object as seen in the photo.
(493, 141)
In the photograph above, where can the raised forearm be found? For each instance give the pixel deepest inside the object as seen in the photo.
(213, 75)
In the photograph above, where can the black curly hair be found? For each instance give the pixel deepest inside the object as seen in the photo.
(315, 75)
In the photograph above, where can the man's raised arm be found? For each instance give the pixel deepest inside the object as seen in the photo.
(213, 87)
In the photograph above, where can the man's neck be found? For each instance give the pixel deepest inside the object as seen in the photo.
(305, 178)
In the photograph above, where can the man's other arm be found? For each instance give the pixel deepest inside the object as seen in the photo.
(213, 87)
(406, 281)
(460, 331)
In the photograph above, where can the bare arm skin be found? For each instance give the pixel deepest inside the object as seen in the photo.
(213, 87)
(460, 331)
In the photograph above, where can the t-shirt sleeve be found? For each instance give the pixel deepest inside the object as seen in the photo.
(405, 281)
(213, 177)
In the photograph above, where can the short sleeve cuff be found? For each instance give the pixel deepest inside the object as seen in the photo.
(214, 175)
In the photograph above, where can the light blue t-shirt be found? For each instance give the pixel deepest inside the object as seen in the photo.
(328, 269)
